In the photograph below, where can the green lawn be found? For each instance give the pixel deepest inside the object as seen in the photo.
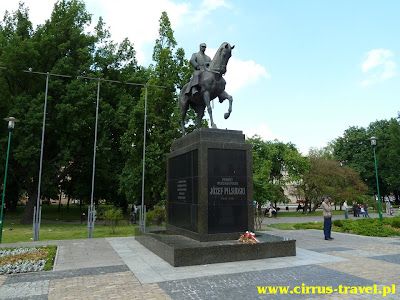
(61, 224)
(54, 213)
(23, 233)
(364, 226)
(283, 213)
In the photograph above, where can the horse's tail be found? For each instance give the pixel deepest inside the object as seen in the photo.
(183, 106)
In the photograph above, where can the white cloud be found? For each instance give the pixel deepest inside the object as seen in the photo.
(205, 8)
(39, 11)
(125, 18)
(241, 73)
(139, 21)
(379, 66)
(262, 130)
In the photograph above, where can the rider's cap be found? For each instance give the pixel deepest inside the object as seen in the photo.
(203, 45)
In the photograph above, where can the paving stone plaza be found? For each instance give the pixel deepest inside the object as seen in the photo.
(121, 268)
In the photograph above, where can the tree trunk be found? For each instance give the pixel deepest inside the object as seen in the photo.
(69, 198)
(12, 196)
(27, 217)
(259, 208)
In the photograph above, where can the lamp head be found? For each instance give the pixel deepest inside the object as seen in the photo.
(373, 141)
(11, 122)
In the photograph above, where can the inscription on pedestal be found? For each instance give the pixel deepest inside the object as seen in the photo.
(183, 190)
(227, 191)
(226, 188)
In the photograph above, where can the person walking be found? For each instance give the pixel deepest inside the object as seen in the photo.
(362, 210)
(327, 213)
(346, 210)
(366, 210)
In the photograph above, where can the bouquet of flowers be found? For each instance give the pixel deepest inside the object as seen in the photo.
(248, 238)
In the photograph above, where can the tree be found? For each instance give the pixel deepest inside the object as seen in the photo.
(19, 98)
(275, 164)
(168, 73)
(354, 150)
(390, 159)
(328, 177)
(63, 46)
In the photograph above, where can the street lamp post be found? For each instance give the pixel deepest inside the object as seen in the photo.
(373, 144)
(11, 123)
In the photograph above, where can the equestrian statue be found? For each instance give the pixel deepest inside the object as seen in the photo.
(206, 84)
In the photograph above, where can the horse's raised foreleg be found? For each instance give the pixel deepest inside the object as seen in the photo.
(206, 97)
(224, 95)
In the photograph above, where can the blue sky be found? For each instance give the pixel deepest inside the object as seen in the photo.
(301, 71)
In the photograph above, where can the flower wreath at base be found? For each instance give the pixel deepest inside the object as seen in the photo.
(248, 238)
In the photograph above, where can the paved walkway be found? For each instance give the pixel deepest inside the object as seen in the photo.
(301, 218)
(121, 268)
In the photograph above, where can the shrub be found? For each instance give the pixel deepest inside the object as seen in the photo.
(369, 227)
(101, 210)
(396, 223)
(157, 215)
(309, 225)
(112, 217)
(338, 223)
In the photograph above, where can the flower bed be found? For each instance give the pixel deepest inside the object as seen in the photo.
(22, 260)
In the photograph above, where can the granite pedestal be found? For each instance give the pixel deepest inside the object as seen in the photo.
(210, 202)
(210, 187)
(179, 250)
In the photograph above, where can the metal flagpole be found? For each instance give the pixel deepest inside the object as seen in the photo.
(142, 209)
(38, 204)
(91, 210)
(91, 215)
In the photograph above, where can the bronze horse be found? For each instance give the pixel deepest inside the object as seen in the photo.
(211, 85)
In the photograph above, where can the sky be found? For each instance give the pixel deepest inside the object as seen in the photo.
(301, 71)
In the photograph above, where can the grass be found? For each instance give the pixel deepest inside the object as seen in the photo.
(365, 226)
(296, 226)
(51, 212)
(23, 233)
(51, 255)
(61, 224)
(318, 213)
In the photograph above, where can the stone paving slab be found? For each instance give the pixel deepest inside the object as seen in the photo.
(150, 268)
(314, 239)
(86, 254)
(136, 273)
(50, 275)
(301, 218)
(106, 286)
(394, 259)
(2, 279)
(24, 289)
(38, 297)
(243, 285)
(379, 271)
(330, 249)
